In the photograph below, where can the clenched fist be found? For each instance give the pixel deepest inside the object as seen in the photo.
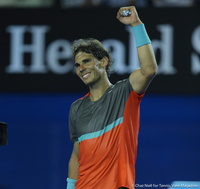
(132, 19)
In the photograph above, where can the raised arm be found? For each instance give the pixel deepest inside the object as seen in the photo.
(140, 78)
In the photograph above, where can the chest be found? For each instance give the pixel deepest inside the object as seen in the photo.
(95, 116)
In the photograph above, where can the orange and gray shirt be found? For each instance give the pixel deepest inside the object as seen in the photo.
(107, 132)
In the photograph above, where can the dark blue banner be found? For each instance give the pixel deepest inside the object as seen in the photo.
(35, 47)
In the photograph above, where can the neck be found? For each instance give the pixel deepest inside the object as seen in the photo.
(98, 89)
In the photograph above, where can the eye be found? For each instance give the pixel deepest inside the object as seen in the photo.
(86, 61)
(77, 65)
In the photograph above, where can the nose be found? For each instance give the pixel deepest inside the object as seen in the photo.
(81, 67)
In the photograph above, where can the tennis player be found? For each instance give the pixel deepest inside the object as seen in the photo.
(104, 124)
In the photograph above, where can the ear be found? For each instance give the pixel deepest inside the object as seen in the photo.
(104, 62)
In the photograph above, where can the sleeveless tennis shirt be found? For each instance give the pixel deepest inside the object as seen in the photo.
(107, 132)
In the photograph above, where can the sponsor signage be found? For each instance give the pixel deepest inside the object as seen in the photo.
(36, 57)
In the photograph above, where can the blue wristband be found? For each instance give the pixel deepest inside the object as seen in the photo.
(70, 183)
(141, 36)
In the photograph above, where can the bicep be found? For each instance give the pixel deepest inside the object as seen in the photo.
(141, 78)
(139, 81)
(76, 148)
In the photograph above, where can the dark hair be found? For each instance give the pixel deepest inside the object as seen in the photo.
(94, 47)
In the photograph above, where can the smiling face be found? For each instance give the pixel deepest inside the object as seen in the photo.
(88, 68)
(95, 48)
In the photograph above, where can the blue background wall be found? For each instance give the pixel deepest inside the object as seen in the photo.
(39, 148)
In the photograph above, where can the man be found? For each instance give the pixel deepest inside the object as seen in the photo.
(104, 124)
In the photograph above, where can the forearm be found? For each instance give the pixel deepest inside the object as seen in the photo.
(148, 65)
(146, 56)
(73, 168)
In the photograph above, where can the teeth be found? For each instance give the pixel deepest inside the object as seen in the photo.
(84, 76)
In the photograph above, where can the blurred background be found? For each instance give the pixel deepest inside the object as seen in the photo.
(92, 3)
(38, 85)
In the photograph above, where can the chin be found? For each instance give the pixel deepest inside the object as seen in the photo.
(90, 81)
(87, 82)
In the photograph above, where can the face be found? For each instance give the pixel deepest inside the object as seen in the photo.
(88, 68)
